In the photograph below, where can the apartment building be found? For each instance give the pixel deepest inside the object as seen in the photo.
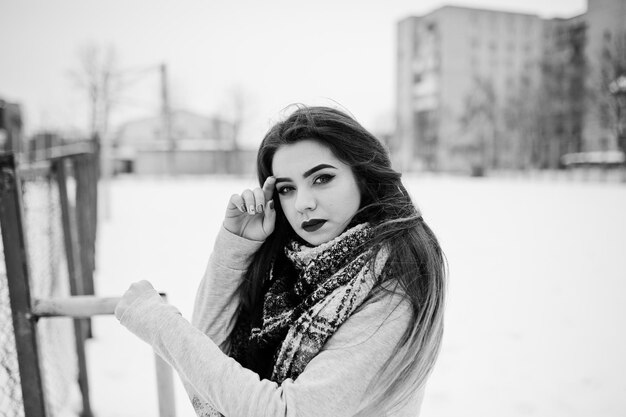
(482, 89)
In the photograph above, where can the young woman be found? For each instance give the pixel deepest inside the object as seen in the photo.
(324, 294)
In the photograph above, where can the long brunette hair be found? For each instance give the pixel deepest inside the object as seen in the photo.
(416, 267)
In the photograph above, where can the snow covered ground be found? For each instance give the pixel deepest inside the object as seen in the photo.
(536, 312)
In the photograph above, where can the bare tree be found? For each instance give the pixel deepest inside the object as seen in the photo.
(522, 120)
(96, 76)
(237, 108)
(560, 101)
(612, 94)
(479, 120)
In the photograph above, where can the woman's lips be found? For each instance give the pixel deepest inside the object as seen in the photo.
(312, 225)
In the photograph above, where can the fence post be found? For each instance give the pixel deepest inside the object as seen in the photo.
(86, 221)
(70, 240)
(165, 385)
(15, 253)
(85, 218)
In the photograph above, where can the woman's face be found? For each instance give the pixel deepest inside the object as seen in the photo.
(318, 193)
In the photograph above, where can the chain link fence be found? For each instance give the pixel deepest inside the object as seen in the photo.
(49, 279)
(48, 219)
(10, 388)
(51, 273)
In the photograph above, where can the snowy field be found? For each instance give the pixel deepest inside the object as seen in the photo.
(536, 309)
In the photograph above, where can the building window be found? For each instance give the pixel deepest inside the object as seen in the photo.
(475, 19)
(511, 23)
(493, 22)
(510, 83)
(528, 48)
(473, 61)
(511, 46)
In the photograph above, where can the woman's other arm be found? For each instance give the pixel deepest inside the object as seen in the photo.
(333, 383)
(217, 299)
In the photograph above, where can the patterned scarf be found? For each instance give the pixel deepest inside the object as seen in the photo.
(306, 302)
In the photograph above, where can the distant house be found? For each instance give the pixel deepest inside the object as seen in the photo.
(196, 144)
(11, 139)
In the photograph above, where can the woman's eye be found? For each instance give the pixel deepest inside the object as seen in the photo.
(323, 179)
(285, 189)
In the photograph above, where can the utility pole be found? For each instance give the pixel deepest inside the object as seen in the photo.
(166, 120)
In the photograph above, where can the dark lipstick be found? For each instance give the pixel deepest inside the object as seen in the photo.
(312, 225)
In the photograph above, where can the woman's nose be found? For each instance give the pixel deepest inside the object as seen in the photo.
(305, 201)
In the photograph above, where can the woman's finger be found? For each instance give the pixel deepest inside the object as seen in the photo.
(269, 219)
(248, 198)
(236, 202)
(259, 200)
(268, 187)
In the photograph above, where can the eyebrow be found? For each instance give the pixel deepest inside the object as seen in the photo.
(306, 173)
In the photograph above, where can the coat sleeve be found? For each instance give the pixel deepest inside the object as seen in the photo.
(217, 301)
(333, 383)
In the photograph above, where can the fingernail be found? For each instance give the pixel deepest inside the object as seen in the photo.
(271, 204)
(259, 208)
(251, 209)
(242, 208)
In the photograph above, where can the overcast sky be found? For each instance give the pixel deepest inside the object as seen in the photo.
(277, 51)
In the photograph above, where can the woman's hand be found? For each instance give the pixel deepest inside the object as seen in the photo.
(144, 312)
(141, 290)
(251, 214)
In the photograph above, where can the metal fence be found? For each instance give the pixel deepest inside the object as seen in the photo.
(49, 278)
(48, 227)
(48, 218)
(10, 388)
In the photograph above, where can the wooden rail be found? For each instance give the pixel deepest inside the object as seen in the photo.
(81, 306)
(78, 306)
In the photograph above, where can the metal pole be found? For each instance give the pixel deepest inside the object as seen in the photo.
(15, 253)
(70, 239)
(165, 385)
(166, 115)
